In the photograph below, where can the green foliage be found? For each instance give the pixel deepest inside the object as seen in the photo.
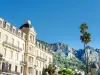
(44, 72)
(85, 37)
(65, 72)
(50, 69)
(64, 62)
(83, 28)
(77, 74)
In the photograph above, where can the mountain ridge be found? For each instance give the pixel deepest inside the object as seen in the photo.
(69, 51)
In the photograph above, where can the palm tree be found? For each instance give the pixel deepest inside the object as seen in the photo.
(85, 38)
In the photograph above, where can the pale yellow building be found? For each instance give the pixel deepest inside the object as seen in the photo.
(21, 53)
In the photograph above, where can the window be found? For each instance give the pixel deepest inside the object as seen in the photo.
(37, 62)
(43, 55)
(17, 56)
(18, 33)
(0, 22)
(41, 46)
(30, 70)
(18, 44)
(12, 41)
(22, 34)
(46, 57)
(7, 27)
(3, 67)
(30, 37)
(11, 54)
(30, 49)
(46, 66)
(37, 52)
(5, 52)
(40, 63)
(23, 46)
(31, 60)
(40, 72)
(40, 54)
(33, 38)
(4, 24)
(13, 30)
(6, 38)
(9, 67)
(15, 68)
(21, 69)
(43, 64)
(36, 72)
(22, 58)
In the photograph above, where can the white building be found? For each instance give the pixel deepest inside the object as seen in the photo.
(21, 53)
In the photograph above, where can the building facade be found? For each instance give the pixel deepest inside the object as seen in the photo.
(21, 53)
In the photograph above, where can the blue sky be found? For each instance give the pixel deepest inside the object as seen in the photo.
(56, 20)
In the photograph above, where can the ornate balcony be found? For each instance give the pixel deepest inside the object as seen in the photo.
(5, 43)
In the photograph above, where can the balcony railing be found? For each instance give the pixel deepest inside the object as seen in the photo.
(23, 62)
(12, 45)
(8, 71)
(40, 58)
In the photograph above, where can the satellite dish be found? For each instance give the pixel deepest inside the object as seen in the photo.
(28, 22)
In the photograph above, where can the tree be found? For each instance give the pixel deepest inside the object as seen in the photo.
(44, 72)
(77, 74)
(85, 38)
(50, 69)
(65, 72)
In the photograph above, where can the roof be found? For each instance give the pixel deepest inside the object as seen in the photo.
(27, 24)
